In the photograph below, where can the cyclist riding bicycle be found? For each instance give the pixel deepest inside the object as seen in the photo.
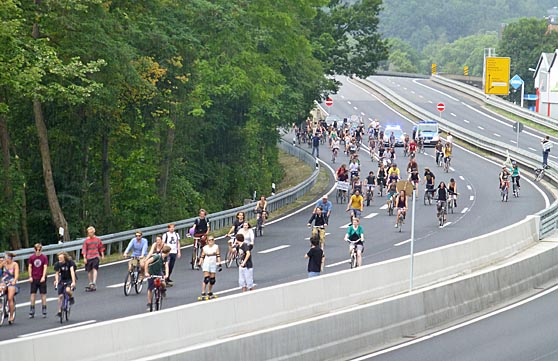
(261, 209)
(515, 174)
(356, 184)
(381, 177)
(354, 167)
(447, 152)
(156, 265)
(429, 179)
(320, 222)
(401, 205)
(237, 225)
(393, 174)
(370, 182)
(355, 205)
(64, 278)
(342, 173)
(201, 226)
(452, 189)
(10, 276)
(326, 206)
(413, 171)
(412, 147)
(138, 246)
(504, 177)
(442, 197)
(355, 234)
(391, 192)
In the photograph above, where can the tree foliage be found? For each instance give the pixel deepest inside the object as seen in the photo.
(153, 109)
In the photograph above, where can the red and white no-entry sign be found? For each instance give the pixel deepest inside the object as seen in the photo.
(441, 107)
(329, 102)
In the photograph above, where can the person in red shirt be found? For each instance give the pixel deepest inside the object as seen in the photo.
(92, 248)
(37, 268)
(412, 147)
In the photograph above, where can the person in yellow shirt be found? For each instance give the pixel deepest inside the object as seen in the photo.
(393, 174)
(355, 205)
(447, 153)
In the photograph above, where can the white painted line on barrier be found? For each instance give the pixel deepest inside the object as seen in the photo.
(469, 187)
(497, 135)
(58, 328)
(466, 121)
(37, 303)
(461, 177)
(402, 243)
(465, 210)
(471, 198)
(371, 215)
(337, 264)
(274, 249)
(481, 128)
(533, 149)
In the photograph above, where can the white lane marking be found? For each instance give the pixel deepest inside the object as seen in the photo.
(513, 141)
(118, 285)
(497, 135)
(38, 302)
(58, 328)
(337, 264)
(402, 243)
(404, 88)
(553, 156)
(461, 177)
(452, 169)
(308, 238)
(346, 225)
(420, 96)
(430, 101)
(456, 327)
(469, 187)
(384, 206)
(464, 210)
(466, 121)
(445, 225)
(417, 81)
(471, 198)
(435, 90)
(355, 108)
(362, 113)
(342, 96)
(230, 290)
(533, 149)
(412, 92)
(371, 215)
(481, 128)
(349, 102)
(274, 249)
(453, 114)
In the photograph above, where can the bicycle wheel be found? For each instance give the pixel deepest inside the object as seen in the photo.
(230, 259)
(138, 285)
(353, 259)
(194, 259)
(4, 309)
(128, 281)
(426, 200)
(152, 299)
(400, 223)
(390, 209)
(337, 197)
(63, 308)
(67, 312)
(158, 301)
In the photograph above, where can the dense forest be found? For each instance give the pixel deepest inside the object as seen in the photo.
(454, 33)
(123, 114)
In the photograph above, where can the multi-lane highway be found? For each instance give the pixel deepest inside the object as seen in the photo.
(278, 256)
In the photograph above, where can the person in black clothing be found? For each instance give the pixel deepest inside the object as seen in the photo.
(314, 256)
(64, 277)
(442, 196)
(316, 144)
(320, 222)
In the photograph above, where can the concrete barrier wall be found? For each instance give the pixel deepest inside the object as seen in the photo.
(197, 323)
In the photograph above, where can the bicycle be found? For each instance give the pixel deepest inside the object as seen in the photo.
(441, 205)
(400, 221)
(66, 305)
(428, 196)
(369, 195)
(196, 252)
(539, 173)
(133, 278)
(452, 200)
(260, 218)
(515, 188)
(390, 206)
(233, 256)
(447, 162)
(439, 159)
(342, 191)
(353, 261)
(504, 191)
(157, 294)
(334, 154)
(5, 305)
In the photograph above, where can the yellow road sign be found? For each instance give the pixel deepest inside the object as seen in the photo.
(434, 69)
(496, 75)
(466, 70)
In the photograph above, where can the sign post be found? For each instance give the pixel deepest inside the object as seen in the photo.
(518, 128)
(517, 82)
(441, 107)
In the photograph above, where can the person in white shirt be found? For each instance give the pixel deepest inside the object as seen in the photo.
(210, 261)
(172, 239)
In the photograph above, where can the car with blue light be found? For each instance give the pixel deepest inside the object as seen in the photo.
(428, 131)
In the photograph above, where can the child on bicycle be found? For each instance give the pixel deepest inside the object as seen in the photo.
(355, 235)
(156, 265)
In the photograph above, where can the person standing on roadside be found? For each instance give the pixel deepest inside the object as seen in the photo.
(92, 249)
(172, 239)
(314, 256)
(245, 269)
(546, 146)
(316, 145)
(37, 270)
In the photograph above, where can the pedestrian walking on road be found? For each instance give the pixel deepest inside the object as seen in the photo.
(37, 269)
(546, 146)
(316, 145)
(314, 256)
(172, 239)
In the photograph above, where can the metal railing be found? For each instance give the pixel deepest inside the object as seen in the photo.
(497, 102)
(218, 221)
(548, 216)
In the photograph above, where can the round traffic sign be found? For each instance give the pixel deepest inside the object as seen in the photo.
(329, 102)
(441, 107)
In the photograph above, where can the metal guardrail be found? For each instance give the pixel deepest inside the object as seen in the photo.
(497, 102)
(219, 220)
(548, 216)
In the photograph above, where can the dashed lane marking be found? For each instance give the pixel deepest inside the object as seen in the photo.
(464, 210)
(274, 249)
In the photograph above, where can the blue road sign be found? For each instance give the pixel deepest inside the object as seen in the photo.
(516, 81)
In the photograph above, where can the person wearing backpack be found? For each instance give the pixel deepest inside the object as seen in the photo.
(172, 239)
